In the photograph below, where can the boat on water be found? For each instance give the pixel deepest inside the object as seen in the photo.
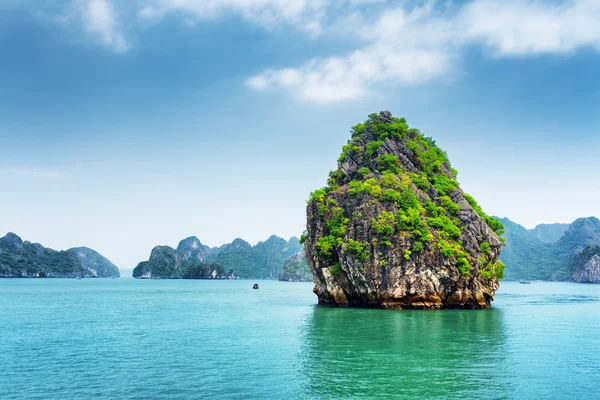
(523, 282)
(78, 277)
(255, 286)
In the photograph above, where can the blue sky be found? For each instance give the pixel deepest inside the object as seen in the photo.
(124, 126)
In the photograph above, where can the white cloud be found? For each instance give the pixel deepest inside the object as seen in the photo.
(533, 27)
(99, 21)
(35, 172)
(305, 14)
(407, 46)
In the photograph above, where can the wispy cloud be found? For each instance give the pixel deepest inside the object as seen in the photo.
(28, 171)
(99, 21)
(307, 15)
(408, 46)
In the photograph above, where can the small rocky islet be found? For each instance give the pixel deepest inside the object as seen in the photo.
(238, 259)
(23, 259)
(393, 229)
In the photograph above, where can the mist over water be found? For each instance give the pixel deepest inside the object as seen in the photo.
(106, 339)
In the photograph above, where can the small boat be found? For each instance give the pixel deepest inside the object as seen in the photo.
(255, 286)
(523, 282)
(78, 277)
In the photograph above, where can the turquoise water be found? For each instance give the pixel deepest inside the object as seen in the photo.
(130, 339)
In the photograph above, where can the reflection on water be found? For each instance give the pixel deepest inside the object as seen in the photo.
(408, 354)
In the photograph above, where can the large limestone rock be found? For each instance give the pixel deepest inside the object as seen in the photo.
(392, 229)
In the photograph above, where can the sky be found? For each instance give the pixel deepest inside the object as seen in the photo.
(125, 125)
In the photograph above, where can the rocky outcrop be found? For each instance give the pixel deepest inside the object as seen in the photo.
(23, 259)
(393, 229)
(586, 265)
(95, 263)
(193, 249)
(296, 269)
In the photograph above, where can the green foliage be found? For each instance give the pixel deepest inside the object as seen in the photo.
(372, 148)
(369, 186)
(485, 248)
(449, 205)
(389, 181)
(326, 245)
(335, 269)
(445, 225)
(335, 178)
(364, 171)
(446, 248)
(463, 266)
(319, 195)
(418, 246)
(357, 248)
(493, 270)
(392, 195)
(384, 223)
(337, 224)
(408, 200)
(388, 163)
(303, 237)
(420, 181)
(444, 185)
(407, 254)
(358, 129)
(410, 220)
(382, 130)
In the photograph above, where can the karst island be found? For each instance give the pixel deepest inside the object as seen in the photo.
(393, 229)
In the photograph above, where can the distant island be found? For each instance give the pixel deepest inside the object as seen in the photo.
(393, 229)
(23, 259)
(296, 269)
(238, 259)
(553, 252)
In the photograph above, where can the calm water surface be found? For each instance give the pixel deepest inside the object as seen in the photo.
(130, 339)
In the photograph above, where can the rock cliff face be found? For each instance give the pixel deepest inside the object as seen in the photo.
(193, 249)
(19, 259)
(296, 269)
(586, 265)
(393, 229)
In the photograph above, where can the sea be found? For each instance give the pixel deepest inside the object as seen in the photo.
(204, 339)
